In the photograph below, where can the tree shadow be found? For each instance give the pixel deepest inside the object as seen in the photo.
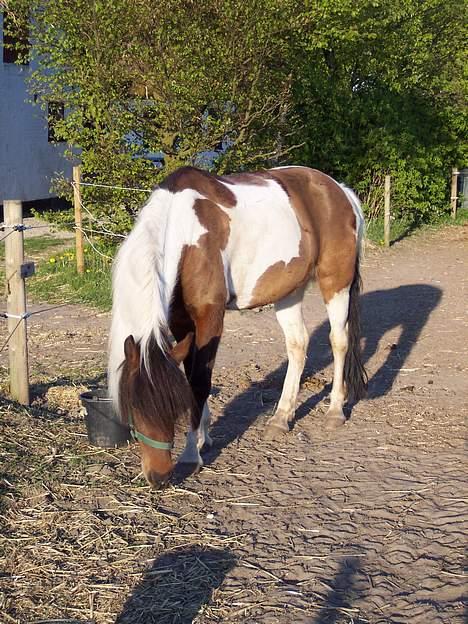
(348, 585)
(177, 586)
(407, 307)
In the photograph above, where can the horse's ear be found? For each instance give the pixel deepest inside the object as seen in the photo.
(182, 348)
(132, 352)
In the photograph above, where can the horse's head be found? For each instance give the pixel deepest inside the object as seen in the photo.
(153, 395)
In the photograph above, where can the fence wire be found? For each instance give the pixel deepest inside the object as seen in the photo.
(87, 232)
(23, 317)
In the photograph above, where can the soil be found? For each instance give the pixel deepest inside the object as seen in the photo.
(365, 524)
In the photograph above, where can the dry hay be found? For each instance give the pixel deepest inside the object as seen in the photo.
(64, 399)
(83, 539)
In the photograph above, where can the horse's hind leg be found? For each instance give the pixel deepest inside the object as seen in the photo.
(289, 315)
(337, 309)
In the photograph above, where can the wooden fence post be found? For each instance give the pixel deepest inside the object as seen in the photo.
(78, 219)
(453, 192)
(16, 304)
(387, 212)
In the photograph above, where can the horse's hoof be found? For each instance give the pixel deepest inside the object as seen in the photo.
(190, 463)
(334, 421)
(273, 431)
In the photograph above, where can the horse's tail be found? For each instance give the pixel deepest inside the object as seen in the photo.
(355, 375)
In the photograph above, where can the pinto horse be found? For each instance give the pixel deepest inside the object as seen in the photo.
(204, 243)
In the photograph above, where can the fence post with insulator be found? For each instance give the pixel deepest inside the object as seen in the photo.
(16, 301)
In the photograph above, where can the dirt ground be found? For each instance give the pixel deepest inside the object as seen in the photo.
(366, 524)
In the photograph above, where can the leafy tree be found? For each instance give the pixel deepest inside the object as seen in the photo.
(200, 83)
(381, 84)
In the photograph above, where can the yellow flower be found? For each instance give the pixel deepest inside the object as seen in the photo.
(52, 260)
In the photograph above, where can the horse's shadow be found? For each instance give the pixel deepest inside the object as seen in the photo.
(177, 586)
(407, 307)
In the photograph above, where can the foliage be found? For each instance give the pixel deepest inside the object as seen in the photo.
(381, 90)
(357, 88)
(199, 83)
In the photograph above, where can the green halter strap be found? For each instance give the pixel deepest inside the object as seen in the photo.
(136, 435)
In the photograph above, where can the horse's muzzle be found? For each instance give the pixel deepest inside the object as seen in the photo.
(158, 481)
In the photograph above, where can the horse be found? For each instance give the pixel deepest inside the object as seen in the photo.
(204, 243)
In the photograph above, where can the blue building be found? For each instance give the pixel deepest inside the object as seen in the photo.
(29, 156)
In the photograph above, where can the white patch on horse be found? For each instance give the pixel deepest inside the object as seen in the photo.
(145, 274)
(191, 453)
(291, 167)
(291, 320)
(337, 309)
(263, 230)
(357, 208)
(196, 440)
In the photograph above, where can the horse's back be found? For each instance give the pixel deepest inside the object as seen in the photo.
(271, 228)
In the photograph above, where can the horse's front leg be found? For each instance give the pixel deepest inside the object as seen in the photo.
(197, 439)
(208, 330)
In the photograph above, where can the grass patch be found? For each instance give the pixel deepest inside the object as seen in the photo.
(56, 280)
(401, 228)
(35, 246)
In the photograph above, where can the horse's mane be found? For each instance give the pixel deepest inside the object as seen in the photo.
(161, 394)
(144, 276)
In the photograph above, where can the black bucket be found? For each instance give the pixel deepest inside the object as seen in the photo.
(102, 423)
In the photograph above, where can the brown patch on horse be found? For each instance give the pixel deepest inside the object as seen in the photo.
(207, 184)
(328, 225)
(202, 297)
(281, 279)
(215, 220)
(201, 270)
(181, 350)
(201, 278)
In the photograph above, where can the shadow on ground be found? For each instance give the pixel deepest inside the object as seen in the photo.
(348, 585)
(177, 586)
(405, 307)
